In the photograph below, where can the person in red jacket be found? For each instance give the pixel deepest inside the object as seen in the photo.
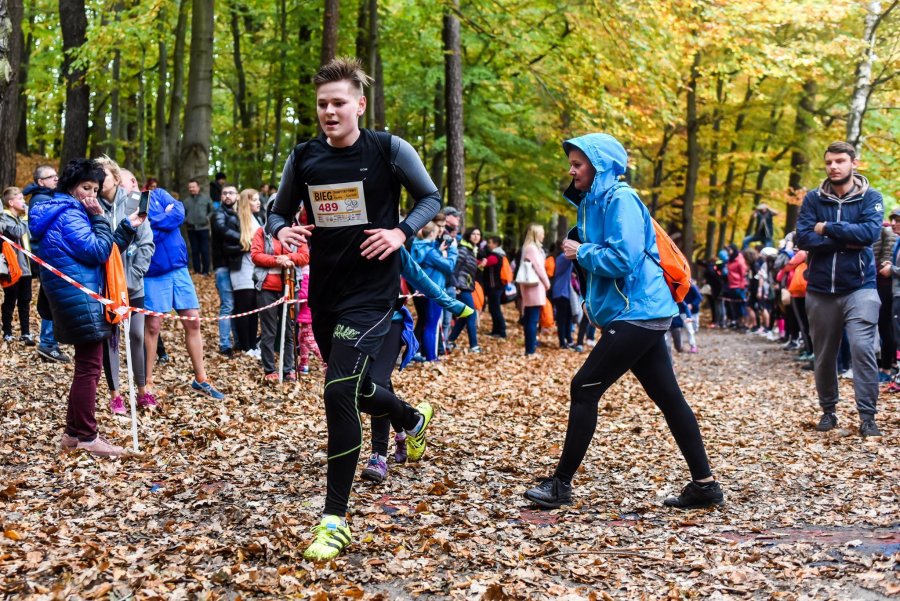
(736, 293)
(272, 259)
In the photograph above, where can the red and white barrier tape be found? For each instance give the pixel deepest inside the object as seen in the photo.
(123, 310)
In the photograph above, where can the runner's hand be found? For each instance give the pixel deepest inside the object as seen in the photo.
(381, 243)
(296, 235)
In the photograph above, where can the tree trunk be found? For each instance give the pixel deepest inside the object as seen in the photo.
(279, 93)
(176, 99)
(562, 227)
(27, 47)
(330, 23)
(10, 59)
(115, 107)
(241, 92)
(198, 112)
(440, 130)
(456, 169)
(163, 158)
(376, 70)
(728, 188)
(693, 166)
(490, 222)
(863, 88)
(658, 169)
(799, 159)
(98, 133)
(714, 172)
(74, 30)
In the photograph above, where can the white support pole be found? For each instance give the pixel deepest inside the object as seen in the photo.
(282, 324)
(131, 390)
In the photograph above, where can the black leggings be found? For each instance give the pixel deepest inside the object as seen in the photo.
(17, 294)
(380, 372)
(349, 389)
(622, 347)
(563, 308)
(245, 328)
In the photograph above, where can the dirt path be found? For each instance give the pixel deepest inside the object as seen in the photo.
(220, 503)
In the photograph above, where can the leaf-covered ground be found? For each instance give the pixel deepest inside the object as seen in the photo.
(220, 502)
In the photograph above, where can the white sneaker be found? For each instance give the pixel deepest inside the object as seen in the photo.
(848, 374)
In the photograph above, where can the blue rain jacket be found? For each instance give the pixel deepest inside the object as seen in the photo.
(614, 227)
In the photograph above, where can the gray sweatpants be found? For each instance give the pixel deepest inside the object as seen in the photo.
(829, 315)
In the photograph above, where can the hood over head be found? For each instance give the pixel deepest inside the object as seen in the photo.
(606, 154)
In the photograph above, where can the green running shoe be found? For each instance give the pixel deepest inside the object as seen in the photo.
(415, 443)
(332, 535)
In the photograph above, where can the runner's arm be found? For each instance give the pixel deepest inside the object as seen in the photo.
(415, 179)
(286, 202)
(419, 280)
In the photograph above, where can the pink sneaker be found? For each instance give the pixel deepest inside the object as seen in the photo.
(146, 400)
(117, 405)
(693, 349)
(99, 446)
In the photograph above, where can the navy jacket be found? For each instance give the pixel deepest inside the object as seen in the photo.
(78, 245)
(842, 260)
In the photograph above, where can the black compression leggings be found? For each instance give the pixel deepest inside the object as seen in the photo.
(349, 389)
(380, 372)
(622, 347)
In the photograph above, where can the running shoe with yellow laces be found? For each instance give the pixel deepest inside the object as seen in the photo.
(332, 536)
(415, 440)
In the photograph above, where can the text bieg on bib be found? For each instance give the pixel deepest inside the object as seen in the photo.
(338, 205)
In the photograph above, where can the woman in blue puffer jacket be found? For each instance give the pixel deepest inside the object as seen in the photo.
(75, 237)
(626, 295)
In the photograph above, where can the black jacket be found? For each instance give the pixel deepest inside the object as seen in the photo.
(226, 237)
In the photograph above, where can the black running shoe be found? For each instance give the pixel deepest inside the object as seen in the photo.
(696, 496)
(827, 422)
(550, 493)
(869, 428)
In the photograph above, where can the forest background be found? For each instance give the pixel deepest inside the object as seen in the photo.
(722, 104)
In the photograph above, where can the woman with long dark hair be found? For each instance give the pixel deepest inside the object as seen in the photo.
(627, 296)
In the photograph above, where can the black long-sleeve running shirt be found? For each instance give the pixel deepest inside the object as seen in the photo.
(346, 191)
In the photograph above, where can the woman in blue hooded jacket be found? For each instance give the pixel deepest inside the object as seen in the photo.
(75, 237)
(626, 295)
(437, 261)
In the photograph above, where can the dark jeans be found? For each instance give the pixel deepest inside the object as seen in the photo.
(531, 318)
(199, 240)
(495, 307)
(80, 420)
(245, 327)
(625, 347)
(470, 323)
(19, 294)
(563, 308)
(585, 329)
(269, 320)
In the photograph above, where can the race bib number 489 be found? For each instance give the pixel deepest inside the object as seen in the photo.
(338, 205)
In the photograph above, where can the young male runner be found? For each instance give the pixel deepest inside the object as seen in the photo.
(349, 182)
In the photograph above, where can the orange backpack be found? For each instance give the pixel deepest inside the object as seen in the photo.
(12, 264)
(675, 266)
(116, 287)
(797, 285)
(506, 274)
(478, 297)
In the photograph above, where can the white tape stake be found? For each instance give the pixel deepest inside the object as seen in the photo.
(131, 391)
(282, 324)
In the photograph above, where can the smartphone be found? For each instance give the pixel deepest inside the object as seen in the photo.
(142, 205)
